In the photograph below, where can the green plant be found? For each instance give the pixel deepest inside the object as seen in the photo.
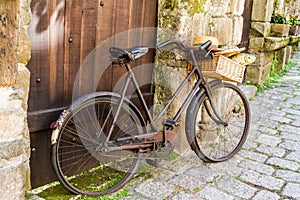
(278, 18)
(293, 20)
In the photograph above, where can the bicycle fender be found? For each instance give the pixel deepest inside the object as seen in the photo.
(54, 136)
(58, 125)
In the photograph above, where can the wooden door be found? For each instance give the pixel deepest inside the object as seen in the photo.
(63, 33)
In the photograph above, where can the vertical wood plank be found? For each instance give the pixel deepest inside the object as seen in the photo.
(39, 63)
(73, 47)
(105, 20)
(88, 43)
(122, 14)
(56, 44)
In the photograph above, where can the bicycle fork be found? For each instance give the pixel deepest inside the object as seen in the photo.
(215, 115)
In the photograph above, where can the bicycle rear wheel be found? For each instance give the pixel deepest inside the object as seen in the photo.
(79, 158)
(213, 142)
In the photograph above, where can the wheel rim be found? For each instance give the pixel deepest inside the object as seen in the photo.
(218, 142)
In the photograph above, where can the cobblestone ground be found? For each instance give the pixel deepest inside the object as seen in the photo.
(268, 166)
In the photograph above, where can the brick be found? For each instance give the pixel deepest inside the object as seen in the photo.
(292, 190)
(262, 180)
(290, 145)
(283, 163)
(263, 194)
(185, 181)
(262, 10)
(290, 136)
(211, 193)
(280, 119)
(294, 156)
(254, 156)
(289, 128)
(268, 140)
(154, 189)
(288, 175)
(256, 166)
(236, 187)
(274, 151)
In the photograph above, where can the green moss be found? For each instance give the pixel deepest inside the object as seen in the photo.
(56, 192)
(89, 180)
(59, 192)
(170, 11)
(192, 6)
(172, 156)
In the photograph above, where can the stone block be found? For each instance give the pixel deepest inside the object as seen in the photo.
(222, 29)
(282, 58)
(294, 39)
(237, 7)
(274, 43)
(260, 29)
(265, 72)
(10, 149)
(237, 33)
(12, 124)
(219, 8)
(256, 44)
(263, 180)
(12, 115)
(262, 10)
(292, 190)
(23, 82)
(279, 6)
(279, 30)
(256, 74)
(13, 180)
(192, 26)
(289, 50)
(253, 74)
(263, 58)
(294, 30)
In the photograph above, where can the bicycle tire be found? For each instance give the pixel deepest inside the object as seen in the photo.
(214, 142)
(75, 160)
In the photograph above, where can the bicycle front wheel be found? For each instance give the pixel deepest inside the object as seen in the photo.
(79, 158)
(211, 140)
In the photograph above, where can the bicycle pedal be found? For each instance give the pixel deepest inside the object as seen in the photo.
(170, 123)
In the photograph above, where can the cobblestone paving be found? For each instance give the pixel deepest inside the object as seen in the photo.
(268, 166)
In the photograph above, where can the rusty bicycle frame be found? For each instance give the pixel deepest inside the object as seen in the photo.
(146, 140)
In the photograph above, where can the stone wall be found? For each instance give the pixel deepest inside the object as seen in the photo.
(14, 86)
(190, 18)
(183, 20)
(264, 43)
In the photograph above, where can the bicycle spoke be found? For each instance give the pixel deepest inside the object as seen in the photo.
(82, 138)
(217, 142)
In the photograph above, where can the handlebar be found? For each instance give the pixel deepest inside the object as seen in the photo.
(180, 45)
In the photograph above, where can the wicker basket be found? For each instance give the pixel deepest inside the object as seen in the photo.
(223, 68)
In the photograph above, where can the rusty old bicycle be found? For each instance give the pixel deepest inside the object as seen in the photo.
(98, 143)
